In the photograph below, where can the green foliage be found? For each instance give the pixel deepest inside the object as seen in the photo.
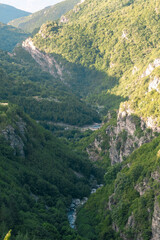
(10, 37)
(118, 40)
(35, 20)
(37, 187)
(42, 96)
(120, 200)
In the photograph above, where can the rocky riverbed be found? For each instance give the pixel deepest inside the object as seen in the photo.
(72, 211)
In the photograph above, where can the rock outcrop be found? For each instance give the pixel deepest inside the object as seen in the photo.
(16, 137)
(156, 222)
(95, 149)
(142, 187)
(154, 85)
(46, 61)
(152, 124)
(129, 134)
(151, 67)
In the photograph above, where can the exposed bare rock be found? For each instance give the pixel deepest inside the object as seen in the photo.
(124, 35)
(123, 137)
(152, 124)
(151, 67)
(142, 187)
(14, 140)
(135, 69)
(94, 149)
(115, 227)
(46, 61)
(111, 201)
(112, 65)
(64, 19)
(156, 176)
(154, 85)
(16, 136)
(156, 222)
(131, 221)
(80, 2)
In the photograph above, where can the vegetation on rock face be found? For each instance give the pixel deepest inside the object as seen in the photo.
(116, 38)
(10, 37)
(35, 20)
(110, 54)
(124, 206)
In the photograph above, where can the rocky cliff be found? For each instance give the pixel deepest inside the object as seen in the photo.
(15, 135)
(130, 133)
(47, 62)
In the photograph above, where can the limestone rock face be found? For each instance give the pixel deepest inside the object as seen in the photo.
(142, 187)
(154, 85)
(125, 138)
(151, 123)
(16, 137)
(46, 61)
(156, 222)
(64, 19)
(95, 149)
(151, 67)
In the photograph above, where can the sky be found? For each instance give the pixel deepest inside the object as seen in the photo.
(30, 5)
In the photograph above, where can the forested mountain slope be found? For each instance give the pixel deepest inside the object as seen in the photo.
(106, 54)
(116, 43)
(10, 37)
(35, 20)
(42, 96)
(118, 39)
(128, 206)
(8, 13)
(38, 179)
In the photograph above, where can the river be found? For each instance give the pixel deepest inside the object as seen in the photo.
(72, 211)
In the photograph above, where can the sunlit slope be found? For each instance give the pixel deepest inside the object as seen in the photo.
(51, 13)
(117, 38)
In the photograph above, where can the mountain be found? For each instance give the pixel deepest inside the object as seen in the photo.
(101, 60)
(127, 207)
(118, 40)
(8, 13)
(39, 177)
(44, 97)
(113, 46)
(10, 37)
(35, 20)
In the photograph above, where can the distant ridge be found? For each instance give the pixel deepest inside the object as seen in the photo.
(51, 13)
(9, 13)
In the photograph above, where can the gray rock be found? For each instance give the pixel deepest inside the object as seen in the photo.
(123, 140)
(156, 222)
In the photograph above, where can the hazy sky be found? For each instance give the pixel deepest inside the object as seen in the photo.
(30, 5)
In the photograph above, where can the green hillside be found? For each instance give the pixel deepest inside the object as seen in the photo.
(8, 13)
(35, 20)
(116, 43)
(100, 61)
(10, 37)
(37, 179)
(42, 96)
(119, 40)
(125, 206)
